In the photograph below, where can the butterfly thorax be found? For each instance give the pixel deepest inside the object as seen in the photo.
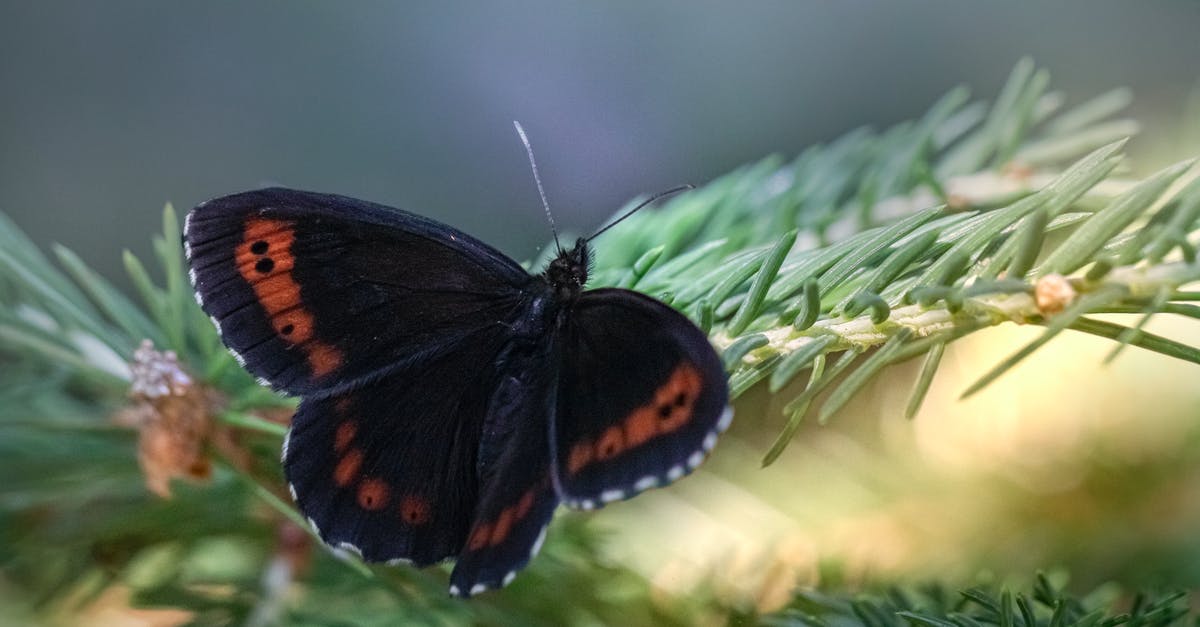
(568, 272)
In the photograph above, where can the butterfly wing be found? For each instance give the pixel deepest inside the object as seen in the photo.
(642, 398)
(388, 324)
(389, 470)
(318, 293)
(517, 497)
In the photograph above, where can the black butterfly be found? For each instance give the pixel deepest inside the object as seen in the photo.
(450, 399)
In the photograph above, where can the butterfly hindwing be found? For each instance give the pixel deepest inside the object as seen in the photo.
(389, 470)
(315, 292)
(642, 398)
(517, 497)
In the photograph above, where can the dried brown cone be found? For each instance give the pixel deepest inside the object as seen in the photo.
(174, 417)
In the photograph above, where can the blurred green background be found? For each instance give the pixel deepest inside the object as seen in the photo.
(111, 109)
(108, 110)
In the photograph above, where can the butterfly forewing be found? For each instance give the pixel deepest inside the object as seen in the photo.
(641, 398)
(315, 293)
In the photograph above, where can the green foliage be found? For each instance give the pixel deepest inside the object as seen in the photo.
(879, 247)
(874, 266)
(1045, 605)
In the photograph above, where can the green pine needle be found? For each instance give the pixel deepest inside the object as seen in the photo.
(864, 373)
(1148, 341)
(929, 368)
(758, 289)
(1085, 242)
(791, 365)
(1123, 340)
(798, 409)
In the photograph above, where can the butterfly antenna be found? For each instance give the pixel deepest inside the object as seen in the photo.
(538, 179)
(673, 190)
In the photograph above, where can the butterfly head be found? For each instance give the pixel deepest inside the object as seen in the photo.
(568, 272)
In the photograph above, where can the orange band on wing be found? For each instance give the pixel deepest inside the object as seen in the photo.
(671, 408)
(493, 532)
(265, 261)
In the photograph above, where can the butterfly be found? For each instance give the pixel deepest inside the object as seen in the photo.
(450, 400)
